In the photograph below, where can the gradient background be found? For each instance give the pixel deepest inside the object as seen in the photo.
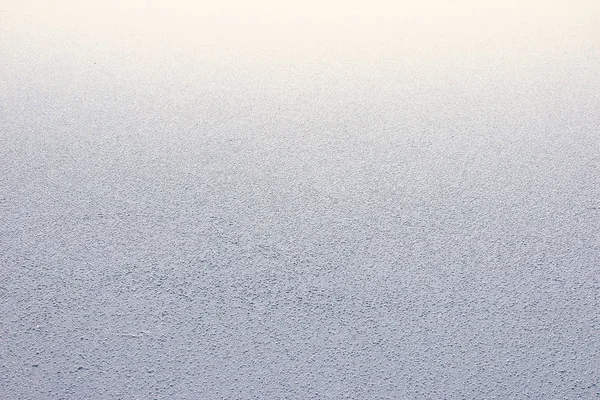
(311, 200)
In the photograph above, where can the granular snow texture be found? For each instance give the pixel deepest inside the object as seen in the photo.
(242, 204)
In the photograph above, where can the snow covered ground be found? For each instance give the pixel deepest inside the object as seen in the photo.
(266, 201)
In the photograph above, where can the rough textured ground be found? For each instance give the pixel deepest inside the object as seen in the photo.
(303, 204)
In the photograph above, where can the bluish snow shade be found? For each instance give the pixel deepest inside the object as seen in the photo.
(364, 203)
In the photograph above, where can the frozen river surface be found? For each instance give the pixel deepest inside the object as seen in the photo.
(307, 203)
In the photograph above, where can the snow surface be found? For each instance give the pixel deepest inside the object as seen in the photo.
(240, 203)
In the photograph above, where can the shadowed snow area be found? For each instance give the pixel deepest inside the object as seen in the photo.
(303, 201)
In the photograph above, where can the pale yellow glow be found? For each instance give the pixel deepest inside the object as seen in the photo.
(140, 38)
